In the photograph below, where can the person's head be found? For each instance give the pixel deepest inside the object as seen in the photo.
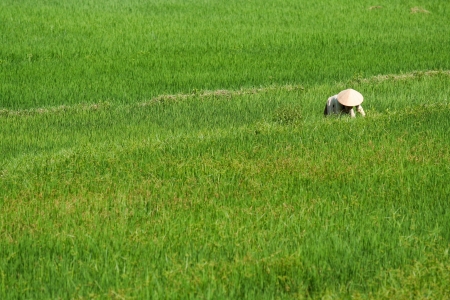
(350, 98)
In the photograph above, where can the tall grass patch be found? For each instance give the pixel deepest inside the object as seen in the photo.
(54, 54)
(213, 195)
(178, 149)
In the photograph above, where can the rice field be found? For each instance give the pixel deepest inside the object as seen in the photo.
(178, 149)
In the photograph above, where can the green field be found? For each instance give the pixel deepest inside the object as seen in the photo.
(178, 149)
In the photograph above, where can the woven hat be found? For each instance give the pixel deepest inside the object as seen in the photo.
(350, 97)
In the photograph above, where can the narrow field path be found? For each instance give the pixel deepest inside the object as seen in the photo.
(224, 93)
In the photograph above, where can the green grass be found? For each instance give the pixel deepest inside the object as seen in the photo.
(120, 199)
(203, 167)
(129, 51)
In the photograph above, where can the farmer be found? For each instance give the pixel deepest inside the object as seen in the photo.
(343, 103)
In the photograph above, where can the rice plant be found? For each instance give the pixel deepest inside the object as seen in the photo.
(178, 149)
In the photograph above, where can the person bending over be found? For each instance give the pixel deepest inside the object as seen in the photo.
(344, 102)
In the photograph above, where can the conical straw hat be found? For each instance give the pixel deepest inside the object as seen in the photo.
(350, 97)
